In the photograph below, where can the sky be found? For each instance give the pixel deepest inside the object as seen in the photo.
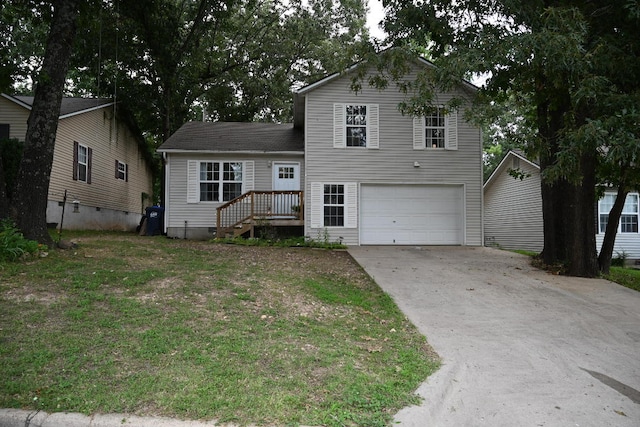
(376, 14)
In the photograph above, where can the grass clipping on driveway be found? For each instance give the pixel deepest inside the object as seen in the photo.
(197, 330)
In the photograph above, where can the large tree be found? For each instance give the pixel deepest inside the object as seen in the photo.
(563, 55)
(29, 203)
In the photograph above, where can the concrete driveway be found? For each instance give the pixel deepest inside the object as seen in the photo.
(519, 346)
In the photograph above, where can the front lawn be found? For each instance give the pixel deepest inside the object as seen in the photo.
(628, 277)
(198, 330)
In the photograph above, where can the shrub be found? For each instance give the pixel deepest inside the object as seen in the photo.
(13, 245)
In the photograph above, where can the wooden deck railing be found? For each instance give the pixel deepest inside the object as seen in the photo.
(255, 206)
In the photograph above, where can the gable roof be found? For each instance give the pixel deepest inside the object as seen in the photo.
(503, 164)
(248, 137)
(69, 106)
(299, 95)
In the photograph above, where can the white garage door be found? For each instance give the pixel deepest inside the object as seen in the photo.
(411, 215)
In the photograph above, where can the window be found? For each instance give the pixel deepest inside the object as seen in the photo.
(286, 172)
(628, 219)
(356, 122)
(82, 162)
(435, 129)
(122, 170)
(220, 181)
(333, 205)
(4, 131)
(356, 126)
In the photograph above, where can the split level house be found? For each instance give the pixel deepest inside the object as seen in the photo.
(513, 210)
(351, 168)
(100, 162)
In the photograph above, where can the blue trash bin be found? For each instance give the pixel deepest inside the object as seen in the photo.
(155, 220)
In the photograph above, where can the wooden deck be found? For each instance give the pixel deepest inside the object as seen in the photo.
(258, 209)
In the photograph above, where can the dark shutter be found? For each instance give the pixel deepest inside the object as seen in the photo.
(117, 174)
(126, 172)
(4, 131)
(75, 160)
(89, 155)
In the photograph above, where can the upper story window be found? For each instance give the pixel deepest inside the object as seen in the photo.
(436, 130)
(355, 125)
(122, 170)
(356, 122)
(220, 181)
(628, 219)
(82, 162)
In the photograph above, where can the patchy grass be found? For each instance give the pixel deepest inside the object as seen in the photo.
(197, 330)
(628, 277)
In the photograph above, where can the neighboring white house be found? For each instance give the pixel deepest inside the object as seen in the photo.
(365, 173)
(99, 159)
(513, 211)
(513, 206)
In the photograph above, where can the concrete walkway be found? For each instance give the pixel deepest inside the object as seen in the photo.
(520, 347)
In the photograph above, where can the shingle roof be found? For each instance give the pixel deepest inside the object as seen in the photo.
(235, 136)
(72, 105)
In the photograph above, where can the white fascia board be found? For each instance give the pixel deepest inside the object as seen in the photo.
(178, 151)
(16, 101)
(504, 159)
(86, 110)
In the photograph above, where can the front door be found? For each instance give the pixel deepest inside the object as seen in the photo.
(286, 177)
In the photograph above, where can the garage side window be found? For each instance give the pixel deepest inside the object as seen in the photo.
(333, 205)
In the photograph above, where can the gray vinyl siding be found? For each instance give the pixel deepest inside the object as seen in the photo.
(393, 161)
(513, 210)
(106, 203)
(202, 215)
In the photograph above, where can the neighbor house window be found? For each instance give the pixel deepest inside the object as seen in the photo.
(628, 218)
(4, 131)
(122, 170)
(333, 205)
(356, 123)
(435, 129)
(220, 181)
(81, 163)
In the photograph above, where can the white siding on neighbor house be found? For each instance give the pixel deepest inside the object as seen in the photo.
(513, 209)
(393, 161)
(202, 215)
(627, 244)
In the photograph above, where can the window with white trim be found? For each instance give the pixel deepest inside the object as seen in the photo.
(356, 125)
(629, 217)
(333, 205)
(434, 129)
(83, 162)
(121, 170)
(220, 181)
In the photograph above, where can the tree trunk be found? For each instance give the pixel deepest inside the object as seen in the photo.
(30, 201)
(580, 224)
(4, 198)
(606, 252)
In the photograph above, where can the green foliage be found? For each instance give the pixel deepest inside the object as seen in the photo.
(13, 245)
(290, 242)
(628, 277)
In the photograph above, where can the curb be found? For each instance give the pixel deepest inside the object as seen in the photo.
(22, 418)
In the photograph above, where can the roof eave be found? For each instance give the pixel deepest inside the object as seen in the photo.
(185, 151)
